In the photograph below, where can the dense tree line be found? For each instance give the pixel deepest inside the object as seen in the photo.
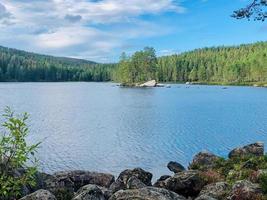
(237, 65)
(241, 64)
(18, 65)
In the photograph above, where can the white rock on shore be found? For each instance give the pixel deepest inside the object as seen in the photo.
(152, 83)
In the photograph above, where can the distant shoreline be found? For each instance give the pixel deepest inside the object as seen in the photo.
(251, 84)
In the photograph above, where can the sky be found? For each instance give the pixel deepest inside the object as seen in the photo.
(100, 30)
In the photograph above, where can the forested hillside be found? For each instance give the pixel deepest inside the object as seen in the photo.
(16, 65)
(239, 64)
(244, 64)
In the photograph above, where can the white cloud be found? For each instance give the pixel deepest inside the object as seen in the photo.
(77, 27)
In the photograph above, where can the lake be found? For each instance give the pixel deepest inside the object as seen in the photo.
(105, 128)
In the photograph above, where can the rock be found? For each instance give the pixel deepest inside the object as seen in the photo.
(147, 193)
(135, 183)
(245, 190)
(160, 85)
(121, 182)
(161, 181)
(203, 160)
(82, 178)
(52, 183)
(256, 175)
(40, 195)
(151, 83)
(256, 149)
(217, 190)
(175, 167)
(205, 197)
(61, 188)
(187, 183)
(90, 192)
(64, 184)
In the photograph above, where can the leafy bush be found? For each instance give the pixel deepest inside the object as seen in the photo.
(263, 183)
(18, 164)
(241, 168)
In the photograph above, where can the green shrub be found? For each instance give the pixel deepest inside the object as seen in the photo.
(263, 183)
(17, 161)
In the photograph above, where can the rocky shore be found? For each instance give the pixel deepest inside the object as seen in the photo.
(240, 177)
(148, 84)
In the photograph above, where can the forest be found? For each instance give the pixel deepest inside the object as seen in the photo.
(16, 65)
(243, 64)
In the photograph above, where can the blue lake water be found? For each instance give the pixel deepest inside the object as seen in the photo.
(101, 127)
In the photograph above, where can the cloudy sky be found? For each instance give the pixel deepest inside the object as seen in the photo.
(100, 30)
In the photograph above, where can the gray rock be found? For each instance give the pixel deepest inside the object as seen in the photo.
(175, 167)
(203, 160)
(61, 188)
(187, 183)
(82, 178)
(161, 181)
(147, 193)
(135, 183)
(205, 197)
(121, 182)
(40, 195)
(217, 190)
(90, 192)
(245, 190)
(256, 149)
(51, 183)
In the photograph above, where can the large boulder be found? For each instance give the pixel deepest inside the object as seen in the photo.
(52, 183)
(147, 193)
(175, 167)
(82, 178)
(205, 197)
(121, 182)
(203, 160)
(62, 189)
(91, 192)
(161, 181)
(218, 190)
(40, 195)
(152, 83)
(135, 183)
(187, 183)
(245, 190)
(256, 149)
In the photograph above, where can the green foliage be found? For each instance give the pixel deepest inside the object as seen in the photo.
(256, 9)
(17, 160)
(236, 65)
(18, 65)
(240, 168)
(242, 64)
(263, 183)
(140, 67)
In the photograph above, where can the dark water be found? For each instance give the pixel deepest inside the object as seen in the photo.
(100, 127)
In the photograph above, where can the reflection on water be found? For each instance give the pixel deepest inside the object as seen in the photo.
(99, 127)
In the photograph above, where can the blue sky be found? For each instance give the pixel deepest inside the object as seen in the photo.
(100, 30)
